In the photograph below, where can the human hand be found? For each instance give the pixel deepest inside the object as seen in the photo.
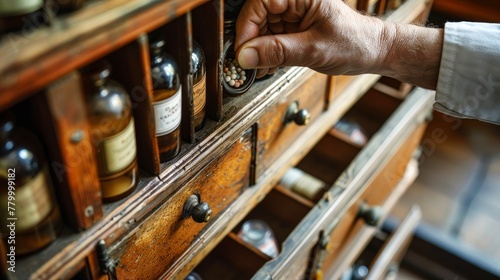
(327, 36)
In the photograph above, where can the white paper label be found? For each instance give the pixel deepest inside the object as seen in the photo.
(168, 113)
(120, 150)
(32, 202)
(19, 7)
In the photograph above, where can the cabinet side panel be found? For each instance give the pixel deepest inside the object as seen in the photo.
(61, 118)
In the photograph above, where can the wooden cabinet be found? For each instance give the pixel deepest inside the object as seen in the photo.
(185, 213)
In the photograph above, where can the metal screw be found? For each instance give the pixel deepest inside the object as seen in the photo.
(89, 211)
(77, 136)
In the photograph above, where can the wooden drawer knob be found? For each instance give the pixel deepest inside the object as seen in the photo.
(199, 211)
(372, 215)
(297, 115)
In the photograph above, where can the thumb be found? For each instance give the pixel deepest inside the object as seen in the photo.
(271, 51)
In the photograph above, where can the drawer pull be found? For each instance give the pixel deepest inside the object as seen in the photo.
(106, 263)
(199, 211)
(372, 215)
(299, 116)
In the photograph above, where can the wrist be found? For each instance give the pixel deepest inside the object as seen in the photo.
(411, 53)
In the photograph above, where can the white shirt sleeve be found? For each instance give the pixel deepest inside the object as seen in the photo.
(469, 75)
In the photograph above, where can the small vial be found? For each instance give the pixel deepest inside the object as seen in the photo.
(258, 234)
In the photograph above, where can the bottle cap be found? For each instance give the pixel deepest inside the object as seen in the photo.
(98, 72)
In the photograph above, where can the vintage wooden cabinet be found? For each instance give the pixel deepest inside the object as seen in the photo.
(185, 213)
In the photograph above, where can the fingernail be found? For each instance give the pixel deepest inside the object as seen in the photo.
(248, 58)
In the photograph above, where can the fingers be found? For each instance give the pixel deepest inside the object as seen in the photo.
(254, 16)
(272, 51)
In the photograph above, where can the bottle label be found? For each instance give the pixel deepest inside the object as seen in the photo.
(168, 114)
(308, 186)
(32, 202)
(302, 183)
(200, 94)
(19, 7)
(118, 151)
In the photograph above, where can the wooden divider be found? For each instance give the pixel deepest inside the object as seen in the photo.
(207, 21)
(60, 116)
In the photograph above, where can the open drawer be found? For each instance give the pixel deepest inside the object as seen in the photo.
(366, 181)
(382, 257)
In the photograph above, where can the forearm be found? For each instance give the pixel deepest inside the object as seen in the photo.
(411, 54)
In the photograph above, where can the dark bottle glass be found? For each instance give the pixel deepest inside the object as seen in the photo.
(199, 85)
(167, 98)
(16, 14)
(30, 218)
(65, 6)
(112, 131)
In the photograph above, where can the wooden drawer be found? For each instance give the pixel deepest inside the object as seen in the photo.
(276, 131)
(157, 242)
(382, 256)
(376, 174)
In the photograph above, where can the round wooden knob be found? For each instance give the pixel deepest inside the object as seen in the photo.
(199, 211)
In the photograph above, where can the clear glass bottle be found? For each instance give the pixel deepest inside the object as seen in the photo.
(199, 85)
(30, 218)
(112, 132)
(167, 98)
(258, 234)
(15, 14)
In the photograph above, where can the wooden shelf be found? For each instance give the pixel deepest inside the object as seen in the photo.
(33, 60)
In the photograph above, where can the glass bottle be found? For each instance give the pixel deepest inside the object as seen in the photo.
(16, 14)
(199, 85)
(112, 132)
(65, 6)
(30, 218)
(258, 234)
(167, 98)
(303, 184)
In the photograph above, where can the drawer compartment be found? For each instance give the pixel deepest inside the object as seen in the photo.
(153, 246)
(278, 129)
(375, 174)
(236, 259)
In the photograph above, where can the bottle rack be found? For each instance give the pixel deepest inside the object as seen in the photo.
(42, 69)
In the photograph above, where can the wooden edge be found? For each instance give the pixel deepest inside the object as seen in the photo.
(393, 250)
(349, 253)
(208, 32)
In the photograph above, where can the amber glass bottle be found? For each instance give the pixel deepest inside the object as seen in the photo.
(65, 6)
(167, 98)
(30, 218)
(199, 85)
(112, 131)
(14, 14)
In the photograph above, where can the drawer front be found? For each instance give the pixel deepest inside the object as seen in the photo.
(275, 134)
(371, 177)
(353, 233)
(152, 247)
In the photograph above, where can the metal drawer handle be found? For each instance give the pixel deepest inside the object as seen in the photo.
(299, 116)
(372, 215)
(199, 211)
